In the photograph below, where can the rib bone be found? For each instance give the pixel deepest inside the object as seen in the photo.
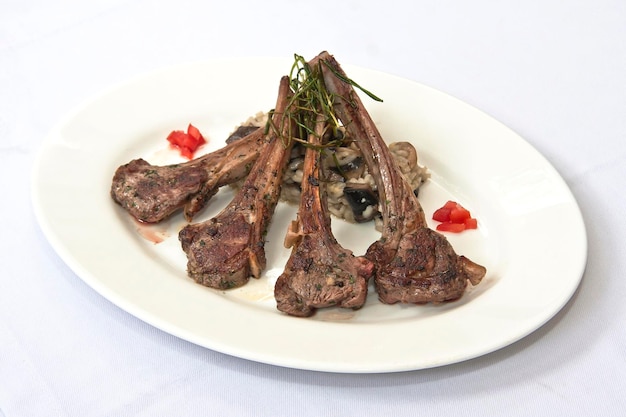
(152, 193)
(414, 264)
(320, 272)
(224, 251)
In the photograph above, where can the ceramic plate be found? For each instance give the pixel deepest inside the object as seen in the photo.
(531, 235)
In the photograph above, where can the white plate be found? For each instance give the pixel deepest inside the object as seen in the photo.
(531, 235)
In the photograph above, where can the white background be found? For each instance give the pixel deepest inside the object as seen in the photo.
(553, 71)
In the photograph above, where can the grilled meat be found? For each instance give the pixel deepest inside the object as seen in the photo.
(320, 272)
(414, 264)
(410, 263)
(151, 193)
(224, 251)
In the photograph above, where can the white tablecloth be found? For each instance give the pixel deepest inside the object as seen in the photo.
(553, 71)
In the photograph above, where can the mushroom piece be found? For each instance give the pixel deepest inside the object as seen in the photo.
(362, 200)
(241, 132)
(405, 155)
(405, 150)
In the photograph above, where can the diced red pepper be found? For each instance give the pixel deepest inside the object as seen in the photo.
(442, 214)
(451, 227)
(187, 142)
(451, 204)
(454, 218)
(176, 137)
(194, 133)
(459, 214)
(471, 223)
(186, 152)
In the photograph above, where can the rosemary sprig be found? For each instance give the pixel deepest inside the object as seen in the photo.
(352, 82)
(311, 98)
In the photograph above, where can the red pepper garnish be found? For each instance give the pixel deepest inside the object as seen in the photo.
(454, 218)
(186, 142)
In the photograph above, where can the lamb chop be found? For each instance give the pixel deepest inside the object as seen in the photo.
(320, 272)
(414, 264)
(152, 193)
(224, 251)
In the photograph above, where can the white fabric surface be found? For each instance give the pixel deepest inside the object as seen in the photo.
(553, 71)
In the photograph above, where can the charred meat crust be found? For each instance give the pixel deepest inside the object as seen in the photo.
(224, 251)
(414, 264)
(152, 193)
(426, 269)
(320, 272)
